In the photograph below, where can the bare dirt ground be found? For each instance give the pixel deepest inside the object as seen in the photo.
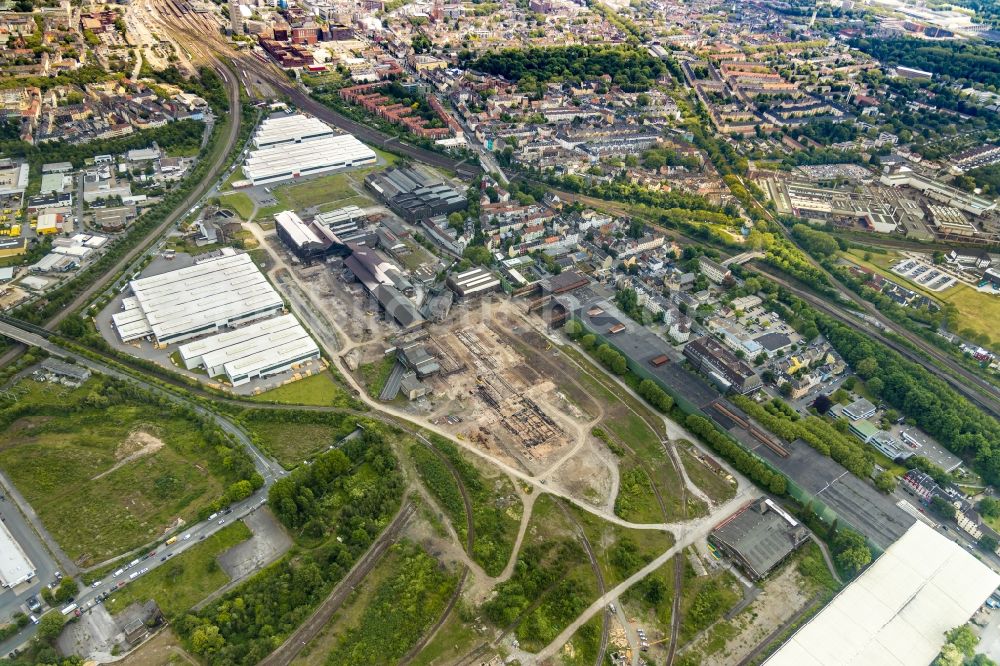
(138, 444)
(162, 649)
(268, 542)
(780, 598)
(588, 475)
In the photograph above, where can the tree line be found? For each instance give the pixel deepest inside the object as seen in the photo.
(335, 509)
(915, 391)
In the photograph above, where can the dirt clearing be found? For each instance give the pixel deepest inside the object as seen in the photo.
(139, 444)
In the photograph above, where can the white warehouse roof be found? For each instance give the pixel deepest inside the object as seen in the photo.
(256, 350)
(196, 300)
(319, 155)
(193, 352)
(897, 612)
(15, 567)
(290, 129)
(296, 229)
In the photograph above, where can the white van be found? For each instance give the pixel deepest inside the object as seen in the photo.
(34, 620)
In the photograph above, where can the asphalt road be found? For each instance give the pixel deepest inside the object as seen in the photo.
(269, 469)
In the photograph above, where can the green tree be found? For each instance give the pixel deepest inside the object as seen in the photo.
(67, 590)
(942, 507)
(989, 543)
(207, 640)
(50, 626)
(573, 329)
(886, 482)
(867, 367)
(989, 507)
(964, 639)
(851, 553)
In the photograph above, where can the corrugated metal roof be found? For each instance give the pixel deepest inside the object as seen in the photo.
(897, 612)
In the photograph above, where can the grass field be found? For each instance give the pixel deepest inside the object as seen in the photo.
(239, 202)
(319, 389)
(650, 601)
(292, 441)
(632, 425)
(704, 600)
(106, 479)
(356, 200)
(184, 580)
(716, 486)
(620, 551)
(583, 646)
(455, 638)
(976, 311)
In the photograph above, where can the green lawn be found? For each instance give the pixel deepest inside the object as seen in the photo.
(357, 200)
(184, 580)
(240, 203)
(60, 452)
(319, 389)
(319, 190)
(713, 484)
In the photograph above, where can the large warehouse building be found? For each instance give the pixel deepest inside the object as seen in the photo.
(759, 537)
(197, 300)
(15, 567)
(896, 613)
(413, 195)
(286, 150)
(256, 350)
(284, 130)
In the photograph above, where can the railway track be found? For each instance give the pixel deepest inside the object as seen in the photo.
(975, 389)
(309, 629)
(599, 575)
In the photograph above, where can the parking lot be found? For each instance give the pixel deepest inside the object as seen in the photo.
(926, 276)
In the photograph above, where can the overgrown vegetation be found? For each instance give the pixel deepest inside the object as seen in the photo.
(109, 466)
(335, 508)
(402, 608)
(295, 436)
(496, 509)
